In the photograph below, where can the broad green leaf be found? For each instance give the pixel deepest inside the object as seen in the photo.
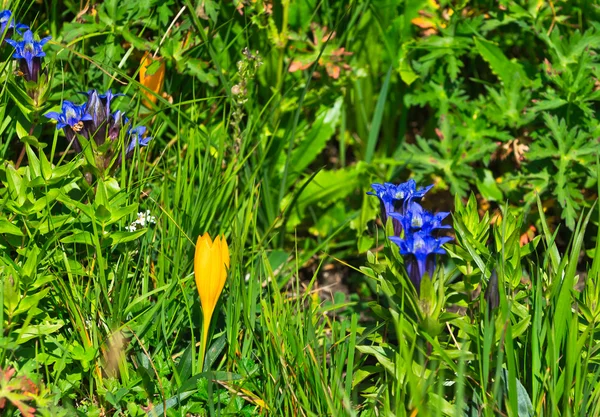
(9, 228)
(30, 301)
(122, 237)
(16, 184)
(39, 330)
(79, 236)
(326, 188)
(33, 163)
(313, 144)
(488, 187)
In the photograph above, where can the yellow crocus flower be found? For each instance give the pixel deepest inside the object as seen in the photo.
(211, 263)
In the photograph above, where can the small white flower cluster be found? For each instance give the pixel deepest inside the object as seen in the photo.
(142, 220)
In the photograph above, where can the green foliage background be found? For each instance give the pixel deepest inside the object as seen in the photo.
(273, 121)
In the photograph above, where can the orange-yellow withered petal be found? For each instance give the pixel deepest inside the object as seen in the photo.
(153, 80)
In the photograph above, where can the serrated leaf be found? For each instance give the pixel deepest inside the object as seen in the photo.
(406, 72)
(508, 72)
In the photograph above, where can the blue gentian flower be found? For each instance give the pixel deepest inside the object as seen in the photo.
(72, 120)
(7, 22)
(408, 190)
(416, 217)
(99, 108)
(103, 100)
(137, 138)
(419, 249)
(393, 198)
(72, 115)
(29, 52)
(415, 229)
(108, 97)
(385, 193)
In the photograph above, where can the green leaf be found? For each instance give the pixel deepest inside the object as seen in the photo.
(136, 41)
(118, 213)
(508, 72)
(39, 330)
(32, 140)
(16, 185)
(101, 194)
(87, 149)
(488, 187)
(384, 356)
(45, 166)
(31, 261)
(9, 228)
(31, 301)
(404, 69)
(34, 163)
(22, 100)
(326, 188)
(214, 351)
(102, 213)
(525, 407)
(313, 144)
(79, 236)
(10, 287)
(196, 68)
(122, 237)
(377, 117)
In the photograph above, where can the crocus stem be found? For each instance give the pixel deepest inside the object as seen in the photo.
(205, 329)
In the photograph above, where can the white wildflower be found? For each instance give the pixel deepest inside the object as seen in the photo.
(143, 219)
(146, 217)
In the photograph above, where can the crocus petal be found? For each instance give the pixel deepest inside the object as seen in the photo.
(201, 268)
(211, 261)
